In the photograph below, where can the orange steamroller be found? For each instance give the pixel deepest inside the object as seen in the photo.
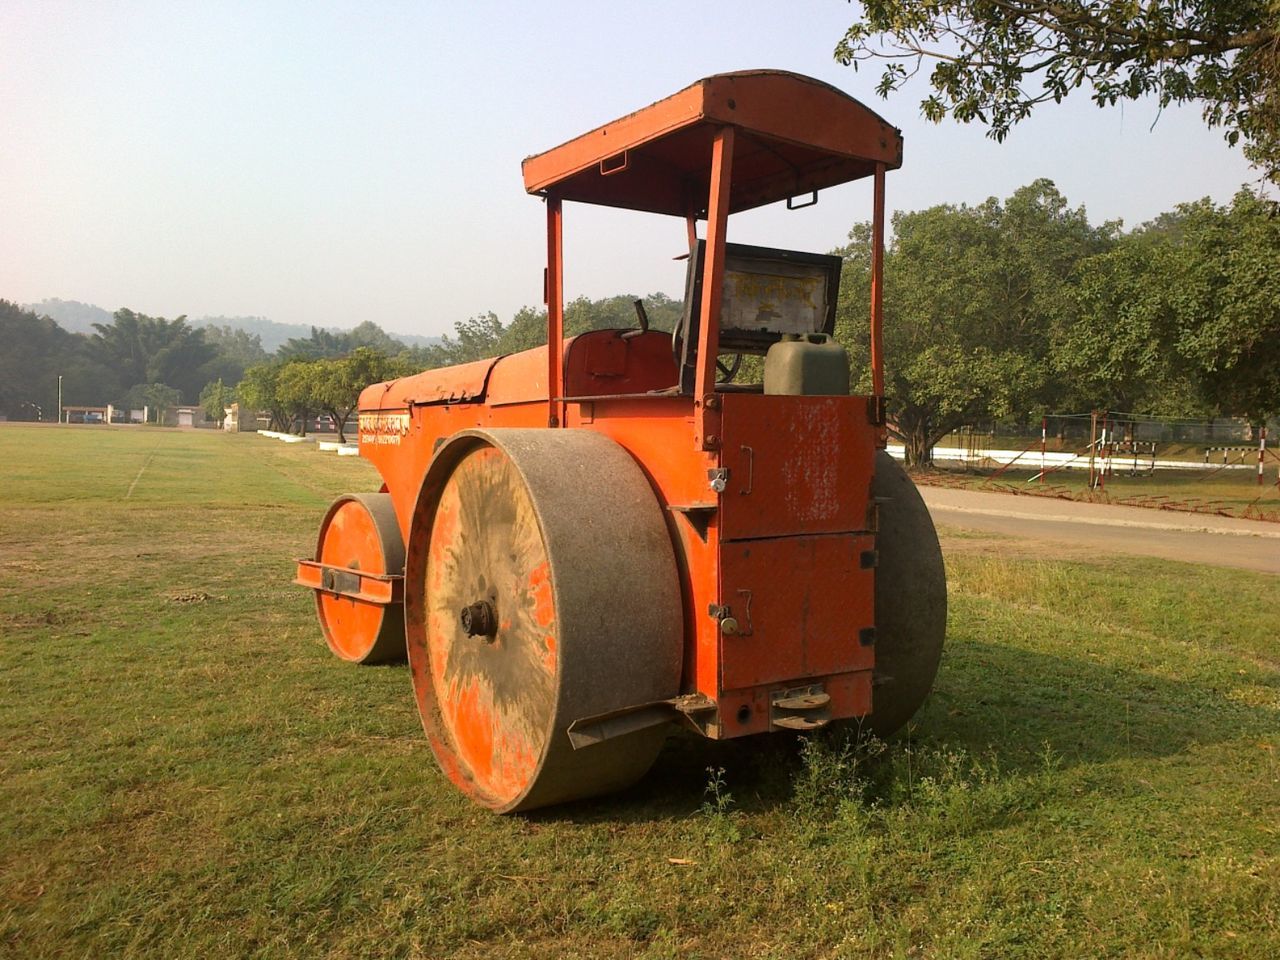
(579, 545)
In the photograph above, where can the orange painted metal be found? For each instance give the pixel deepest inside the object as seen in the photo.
(555, 309)
(706, 419)
(796, 135)
(358, 598)
(776, 563)
(807, 478)
(797, 465)
(374, 588)
(877, 285)
(801, 604)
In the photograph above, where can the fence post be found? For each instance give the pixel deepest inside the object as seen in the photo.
(1093, 440)
(1044, 426)
(1262, 450)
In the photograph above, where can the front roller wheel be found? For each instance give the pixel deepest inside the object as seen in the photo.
(540, 588)
(360, 533)
(911, 600)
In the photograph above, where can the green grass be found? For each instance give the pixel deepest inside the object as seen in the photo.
(186, 771)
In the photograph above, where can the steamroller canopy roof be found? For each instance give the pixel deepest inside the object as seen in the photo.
(795, 135)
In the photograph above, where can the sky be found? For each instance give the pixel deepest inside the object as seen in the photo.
(330, 162)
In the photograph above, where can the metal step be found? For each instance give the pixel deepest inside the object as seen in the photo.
(800, 708)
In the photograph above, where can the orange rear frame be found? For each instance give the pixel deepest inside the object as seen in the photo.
(767, 498)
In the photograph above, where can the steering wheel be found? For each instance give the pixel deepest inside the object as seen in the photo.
(728, 370)
(725, 371)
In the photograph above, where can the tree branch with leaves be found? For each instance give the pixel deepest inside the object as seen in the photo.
(994, 61)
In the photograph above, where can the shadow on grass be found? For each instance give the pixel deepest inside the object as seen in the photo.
(1017, 702)
(1013, 705)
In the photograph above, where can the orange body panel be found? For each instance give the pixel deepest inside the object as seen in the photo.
(790, 526)
(796, 465)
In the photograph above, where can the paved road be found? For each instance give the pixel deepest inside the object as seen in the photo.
(1067, 527)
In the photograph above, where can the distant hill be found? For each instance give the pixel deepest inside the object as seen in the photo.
(77, 317)
(71, 315)
(274, 335)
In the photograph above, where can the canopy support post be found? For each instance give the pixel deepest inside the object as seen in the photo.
(706, 405)
(555, 311)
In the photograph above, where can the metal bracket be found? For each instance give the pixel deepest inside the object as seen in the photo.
(377, 588)
(792, 205)
(697, 514)
(618, 723)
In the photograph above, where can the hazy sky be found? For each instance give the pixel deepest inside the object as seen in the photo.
(330, 163)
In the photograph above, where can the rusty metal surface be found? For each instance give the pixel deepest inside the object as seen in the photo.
(797, 465)
(911, 599)
(463, 383)
(560, 532)
(359, 534)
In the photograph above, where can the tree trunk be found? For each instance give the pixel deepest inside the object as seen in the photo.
(919, 450)
(916, 440)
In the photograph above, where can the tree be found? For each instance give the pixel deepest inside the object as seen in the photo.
(157, 398)
(162, 399)
(973, 297)
(995, 60)
(474, 338)
(298, 391)
(1225, 288)
(215, 398)
(336, 384)
(339, 343)
(321, 343)
(369, 334)
(234, 344)
(1182, 317)
(260, 390)
(34, 351)
(145, 349)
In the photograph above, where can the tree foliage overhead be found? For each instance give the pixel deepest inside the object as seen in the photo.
(995, 60)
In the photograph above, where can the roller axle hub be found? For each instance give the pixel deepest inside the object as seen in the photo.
(479, 620)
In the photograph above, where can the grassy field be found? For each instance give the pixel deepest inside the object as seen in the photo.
(187, 772)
